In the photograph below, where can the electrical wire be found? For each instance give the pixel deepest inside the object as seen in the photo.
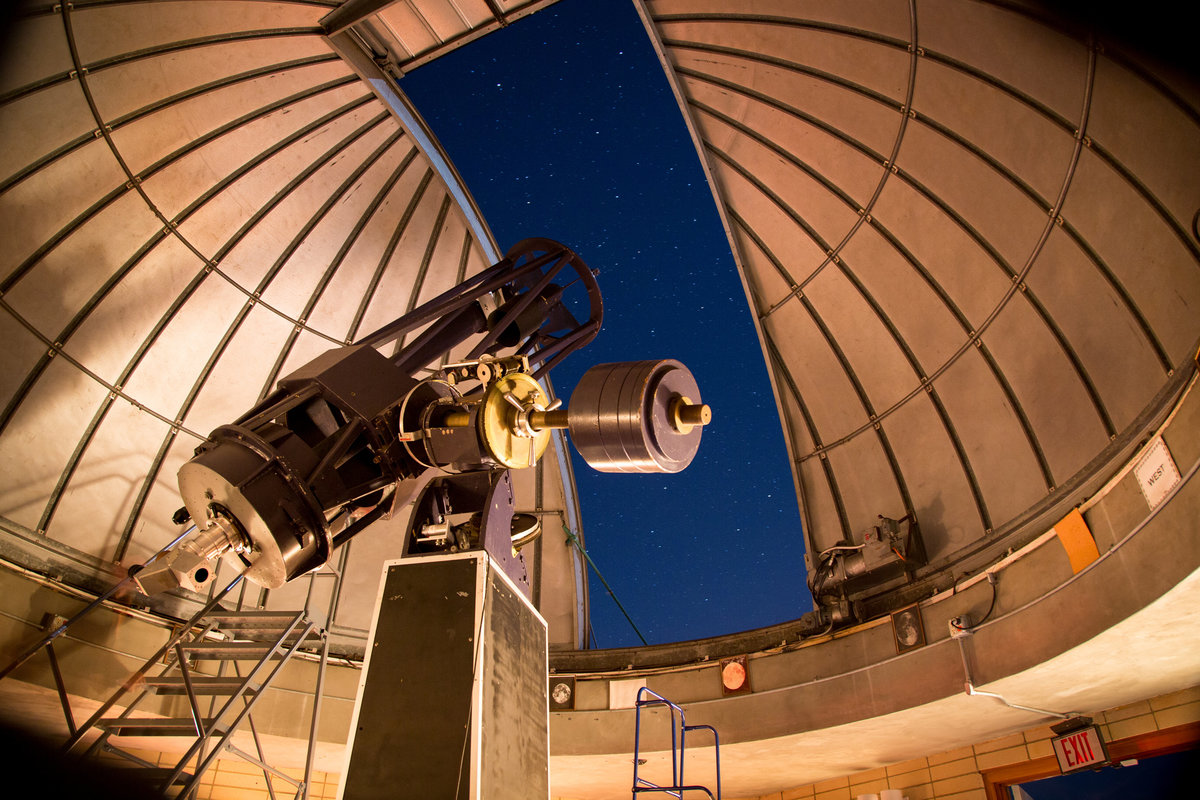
(991, 579)
(842, 547)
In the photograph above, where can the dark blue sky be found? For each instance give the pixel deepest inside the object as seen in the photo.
(563, 125)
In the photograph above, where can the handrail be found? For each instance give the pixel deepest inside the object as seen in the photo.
(678, 749)
(137, 676)
(77, 733)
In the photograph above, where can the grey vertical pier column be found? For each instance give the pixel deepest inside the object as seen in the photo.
(452, 701)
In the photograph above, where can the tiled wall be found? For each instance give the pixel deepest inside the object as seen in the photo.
(956, 775)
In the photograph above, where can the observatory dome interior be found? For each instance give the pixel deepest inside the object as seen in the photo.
(968, 232)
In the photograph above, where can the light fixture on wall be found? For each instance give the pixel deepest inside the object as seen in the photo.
(735, 676)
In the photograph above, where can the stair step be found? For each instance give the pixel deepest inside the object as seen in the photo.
(230, 650)
(260, 634)
(269, 621)
(201, 684)
(261, 637)
(168, 726)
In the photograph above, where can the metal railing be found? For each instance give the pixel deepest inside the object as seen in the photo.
(212, 739)
(679, 730)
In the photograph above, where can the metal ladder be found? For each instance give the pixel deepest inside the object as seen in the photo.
(268, 639)
(679, 730)
(227, 638)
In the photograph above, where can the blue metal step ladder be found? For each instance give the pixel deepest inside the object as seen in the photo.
(679, 730)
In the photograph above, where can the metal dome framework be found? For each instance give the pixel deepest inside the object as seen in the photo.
(967, 231)
(930, 203)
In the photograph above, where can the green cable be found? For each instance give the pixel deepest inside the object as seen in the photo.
(571, 538)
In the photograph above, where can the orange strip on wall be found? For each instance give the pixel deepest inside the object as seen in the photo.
(1077, 540)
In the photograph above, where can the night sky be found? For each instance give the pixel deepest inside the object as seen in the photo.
(563, 125)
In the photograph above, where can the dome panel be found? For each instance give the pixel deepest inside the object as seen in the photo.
(1124, 106)
(116, 453)
(20, 352)
(954, 260)
(58, 285)
(864, 335)
(183, 179)
(1009, 48)
(295, 185)
(109, 30)
(209, 84)
(165, 373)
(228, 218)
(874, 62)
(805, 141)
(822, 504)
(995, 439)
(34, 52)
(1160, 268)
(227, 126)
(137, 297)
(826, 217)
(236, 379)
(936, 474)
(1029, 148)
(841, 109)
(884, 17)
(148, 528)
(1053, 389)
(40, 438)
(36, 215)
(769, 284)
(805, 349)
(770, 221)
(399, 278)
(1114, 346)
(447, 248)
(335, 225)
(907, 296)
(60, 109)
(867, 482)
(331, 313)
(997, 214)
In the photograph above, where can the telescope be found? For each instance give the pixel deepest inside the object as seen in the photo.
(428, 416)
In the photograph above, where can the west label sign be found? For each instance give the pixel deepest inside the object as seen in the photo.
(1080, 749)
(1156, 473)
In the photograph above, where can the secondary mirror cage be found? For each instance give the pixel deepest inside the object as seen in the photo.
(524, 280)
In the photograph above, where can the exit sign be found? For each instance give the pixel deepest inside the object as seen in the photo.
(1080, 749)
